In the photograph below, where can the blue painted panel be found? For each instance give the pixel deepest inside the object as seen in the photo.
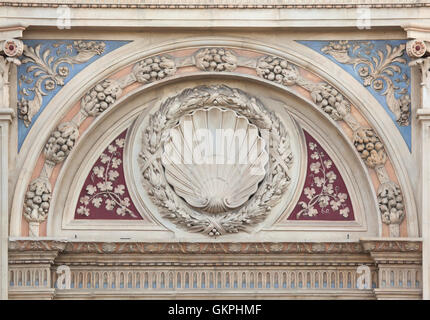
(58, 49)
(365, 50)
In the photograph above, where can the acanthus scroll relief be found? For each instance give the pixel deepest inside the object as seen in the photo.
(49, 71)
(376, 69)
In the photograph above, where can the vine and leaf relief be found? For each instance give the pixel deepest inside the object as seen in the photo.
(105, 187)
(379, 69)
(47, 70)
(323, 192)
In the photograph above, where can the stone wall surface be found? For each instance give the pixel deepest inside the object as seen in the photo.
(114, 182)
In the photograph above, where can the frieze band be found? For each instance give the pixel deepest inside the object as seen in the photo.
(213, 248)
(206, 4)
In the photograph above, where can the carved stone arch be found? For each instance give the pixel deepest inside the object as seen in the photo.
(102, 68)
(135, 103)
(374, 113)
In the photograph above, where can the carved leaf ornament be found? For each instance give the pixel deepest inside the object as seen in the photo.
(49, 72)
(377, 70)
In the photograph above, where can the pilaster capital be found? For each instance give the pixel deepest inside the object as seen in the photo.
(11, 32)
(423, 115)
(6, 114)
(424, 65)
(10, 50)
(11, 47)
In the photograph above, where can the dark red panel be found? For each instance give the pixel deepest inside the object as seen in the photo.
(324, 195)
(104, 194)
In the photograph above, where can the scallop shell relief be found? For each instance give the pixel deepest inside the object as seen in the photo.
(207, 163)
(214, 159)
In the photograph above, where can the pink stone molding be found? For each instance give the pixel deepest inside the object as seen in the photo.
(185, 66)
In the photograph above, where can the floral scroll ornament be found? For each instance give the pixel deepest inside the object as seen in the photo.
(377, 70)
(106, 190)
(322, 193)
(49, 71)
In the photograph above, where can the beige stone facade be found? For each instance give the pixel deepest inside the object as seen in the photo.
(104, 195)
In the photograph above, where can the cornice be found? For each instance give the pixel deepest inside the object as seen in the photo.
(385, 245)
(6, 114)
(216, 248)
(11, 31)
(417, 31)
(219, 4)
(418, 28)
(37, 245)
(423, 115)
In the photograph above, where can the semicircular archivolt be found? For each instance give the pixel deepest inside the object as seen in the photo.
(251, 64)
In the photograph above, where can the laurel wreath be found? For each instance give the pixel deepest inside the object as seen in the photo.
(271, 188)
